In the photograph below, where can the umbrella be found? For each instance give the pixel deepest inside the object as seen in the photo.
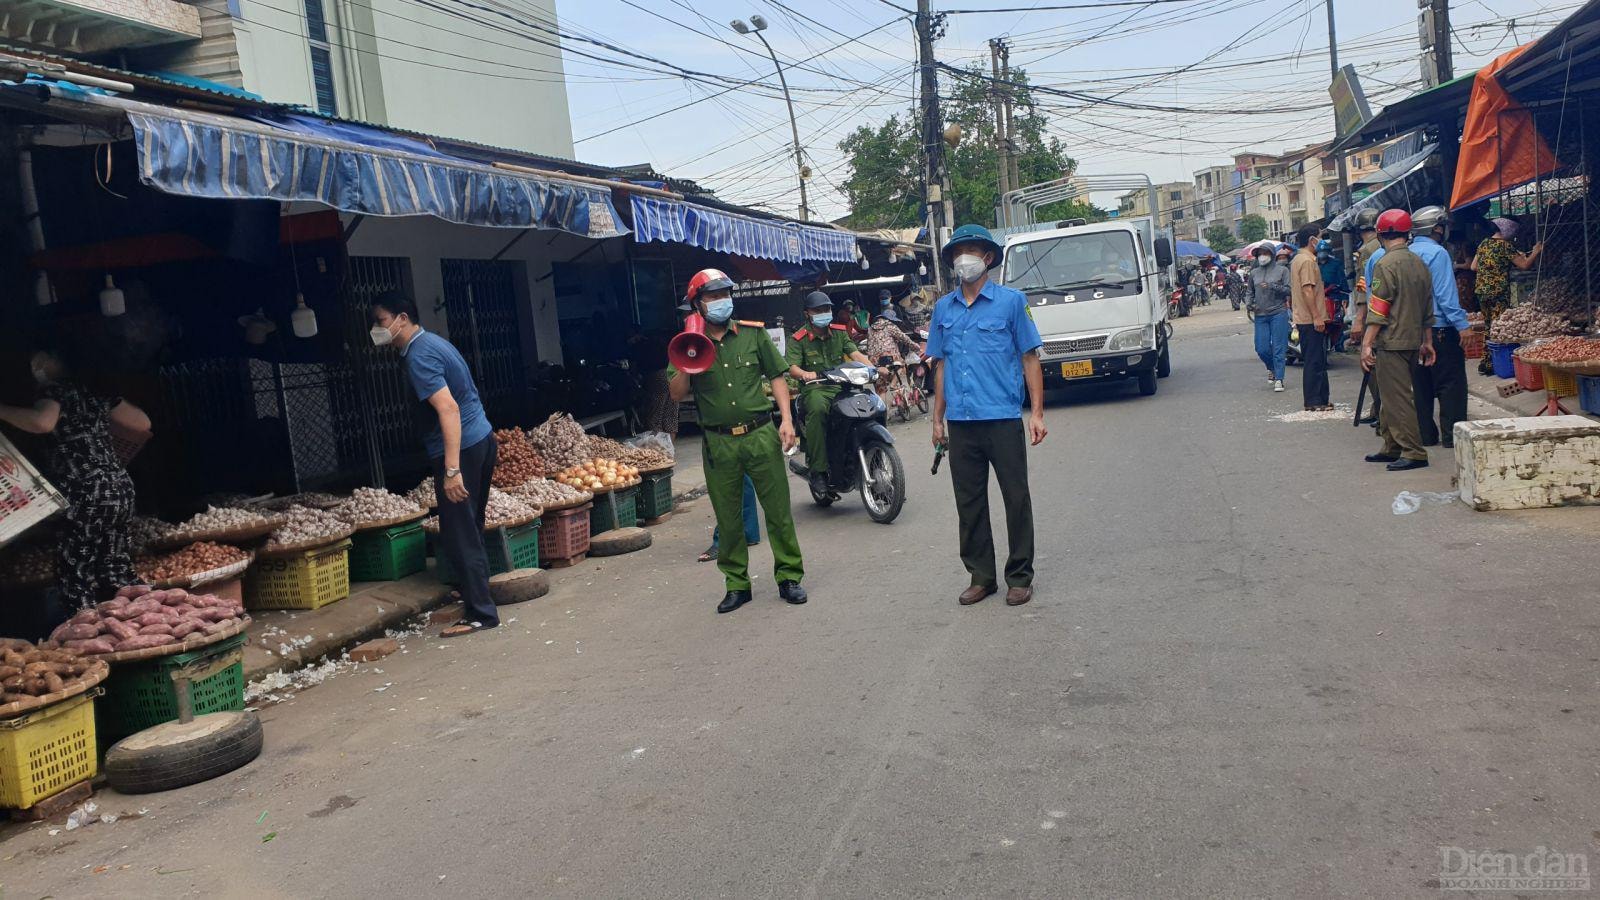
(1193, 248)
(1250, 249)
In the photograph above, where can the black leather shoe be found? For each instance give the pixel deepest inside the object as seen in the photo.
(792, 592)
(1432, 443)
(819, 482)
(1448, 443)
(1402, 465)
(733, 600)
(1381, 457)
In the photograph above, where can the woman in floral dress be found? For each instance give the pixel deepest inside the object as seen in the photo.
(1492, 268)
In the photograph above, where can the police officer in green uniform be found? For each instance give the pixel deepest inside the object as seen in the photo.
(1399, 332)
(737, 419)
(817, 347)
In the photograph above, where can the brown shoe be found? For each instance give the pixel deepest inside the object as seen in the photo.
(975, 593)
(1018, 595)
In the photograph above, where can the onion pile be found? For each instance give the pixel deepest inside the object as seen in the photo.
(561, 441)
(639, 457)
(191, 560)
(1562, 350)
(548, 493)
(1521, 324)
(304, 525)
(374, 505)
(598, 474)
(28, 565)
(516, 461)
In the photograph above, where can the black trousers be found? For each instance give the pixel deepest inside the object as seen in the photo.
(1444, 381)
(1314, 374)
(974, 448)
(461, 529)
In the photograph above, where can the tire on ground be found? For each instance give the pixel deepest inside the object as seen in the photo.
(619, 541)
(518, 586)
(177, 754)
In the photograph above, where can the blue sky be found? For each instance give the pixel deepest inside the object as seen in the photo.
(1242, 54)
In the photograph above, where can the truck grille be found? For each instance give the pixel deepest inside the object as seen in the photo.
(1075, 345)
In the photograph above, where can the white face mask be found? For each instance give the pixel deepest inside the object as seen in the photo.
(1263, 260)
(381, 336)
(969, 267)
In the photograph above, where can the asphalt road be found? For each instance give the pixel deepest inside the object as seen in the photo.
(1242, 676)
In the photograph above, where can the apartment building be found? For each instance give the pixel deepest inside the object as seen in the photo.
(390, 62)
(1213, 200)
(1175, 202)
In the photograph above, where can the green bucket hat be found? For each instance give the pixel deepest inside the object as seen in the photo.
(971, 234)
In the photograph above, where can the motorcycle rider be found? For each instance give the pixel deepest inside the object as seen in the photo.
(886, 343)
(819, 345)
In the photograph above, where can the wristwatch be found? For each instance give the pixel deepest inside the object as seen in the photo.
(452, 473)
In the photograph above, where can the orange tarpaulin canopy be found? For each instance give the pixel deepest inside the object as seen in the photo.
(1500, 147)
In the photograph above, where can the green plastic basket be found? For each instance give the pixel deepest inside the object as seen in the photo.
(655, 496)
(508, 548)
(141, 694)
(618, 509)
(390, 554)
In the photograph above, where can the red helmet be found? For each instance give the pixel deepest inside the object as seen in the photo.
(1394, 221)
(708, 280)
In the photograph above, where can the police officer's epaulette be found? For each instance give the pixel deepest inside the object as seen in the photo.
(838, 328)
(802, 334)
(752, 323)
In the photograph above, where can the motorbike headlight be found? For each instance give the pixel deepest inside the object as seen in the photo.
(860, 375)
(1133, 339)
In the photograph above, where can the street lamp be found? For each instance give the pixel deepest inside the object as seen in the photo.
(756, 26)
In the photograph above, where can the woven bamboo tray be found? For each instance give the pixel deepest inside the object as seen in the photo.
(244, 534)
(1591, 369)
(274, 551)
(615, 487)
(210, 576)
(574, 503)
(496, 526)
(658, 469)
(97, 673)
(314, 500)
(184, 646)
(391, 522)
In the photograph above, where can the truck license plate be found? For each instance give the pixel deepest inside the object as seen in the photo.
(1080, 369)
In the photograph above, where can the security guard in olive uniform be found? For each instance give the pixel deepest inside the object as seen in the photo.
(737, 419)
(1399, 330)
(817, 347)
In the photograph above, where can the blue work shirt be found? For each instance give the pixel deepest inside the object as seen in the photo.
(434, 363)
(1447, 309)
(981, 348)
(1367, 273)
(1333, 273)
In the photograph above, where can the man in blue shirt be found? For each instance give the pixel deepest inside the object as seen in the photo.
(986, 347)
(1446, 379)
(460, 442)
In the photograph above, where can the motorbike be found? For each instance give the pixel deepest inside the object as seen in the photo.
(1180, 304)
(861, 453)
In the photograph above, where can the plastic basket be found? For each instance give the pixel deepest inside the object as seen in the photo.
(1589, 394)
(26, 499)
(1472, 341)
(1529, 375)
(388, 555)
(1504, 361)
(1562, 384)
(308, 580)
(140, 695)
(618, 509)
(44, 752)
(655, 496)
(564, 534)
(507, 548)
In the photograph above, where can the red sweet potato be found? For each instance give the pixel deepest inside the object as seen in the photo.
(160, 628)
(120, 630)
(97, 645)
(185, 628)
(144, 642)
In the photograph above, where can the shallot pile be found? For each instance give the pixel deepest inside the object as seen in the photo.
(140, 618)
(561, 441)
(1521, 324)
(28, 565)
(222, 518)
(547, 493)
(27, 671)
(639, 457)
(1562, 350)
(191, 560)
(304, 525)
(374, 505)
(516, 461)
(595, 474)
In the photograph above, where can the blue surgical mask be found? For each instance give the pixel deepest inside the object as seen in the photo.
(822, 320)
(718, 312)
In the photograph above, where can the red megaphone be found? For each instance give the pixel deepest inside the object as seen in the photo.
(692, 351)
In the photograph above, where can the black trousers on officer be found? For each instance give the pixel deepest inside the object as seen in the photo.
(461, 529)
(974, 448)
(1444, 381)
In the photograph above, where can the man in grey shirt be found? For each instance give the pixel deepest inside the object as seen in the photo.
(1267, 292)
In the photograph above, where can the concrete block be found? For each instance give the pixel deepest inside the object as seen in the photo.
(1528, 463)
(372, 651)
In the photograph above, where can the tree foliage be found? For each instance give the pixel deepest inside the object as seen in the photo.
(1252, 228)
(884, 185)
(1220, 238)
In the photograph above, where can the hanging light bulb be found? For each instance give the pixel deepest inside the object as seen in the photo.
(865, 264)
(112, 301)
(303, 319)
(922, 268)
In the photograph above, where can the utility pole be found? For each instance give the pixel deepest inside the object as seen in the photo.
(932, 136)
(1011, 131)
(1433, 27)
(1339, 156)
(1002, 145)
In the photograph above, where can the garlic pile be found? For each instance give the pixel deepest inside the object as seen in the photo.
(305, 525)
(561, 441)
(504, 507)
(374, 505)
(516, 461)
(639, 457)
(143, 531)
(222, 518)
(1556, 295)
(1521, 324)
(424, 495)
(548, 493)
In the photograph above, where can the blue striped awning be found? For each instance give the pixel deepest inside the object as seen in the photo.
(656, 219)
(203, 155)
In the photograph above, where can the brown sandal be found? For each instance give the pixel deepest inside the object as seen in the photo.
(464, 628)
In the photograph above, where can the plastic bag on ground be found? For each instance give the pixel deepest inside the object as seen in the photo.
(653, 440)
(1408, 502)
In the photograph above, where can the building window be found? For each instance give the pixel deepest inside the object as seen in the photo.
(1375, 158)
(321, 58)
(1175, 195)
(1177, 214)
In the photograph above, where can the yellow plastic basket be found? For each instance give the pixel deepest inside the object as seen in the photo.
(309, 580)
(45, 752)
(1560, 383)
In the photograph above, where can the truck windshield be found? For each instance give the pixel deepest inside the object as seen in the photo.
(1072, 261)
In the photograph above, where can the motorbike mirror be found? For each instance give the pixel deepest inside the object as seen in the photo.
(1163, 252)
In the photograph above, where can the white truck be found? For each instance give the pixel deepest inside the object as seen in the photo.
(1099, 295)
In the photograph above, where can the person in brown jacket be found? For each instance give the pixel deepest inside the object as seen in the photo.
(1310, 310)
(1399, 331)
